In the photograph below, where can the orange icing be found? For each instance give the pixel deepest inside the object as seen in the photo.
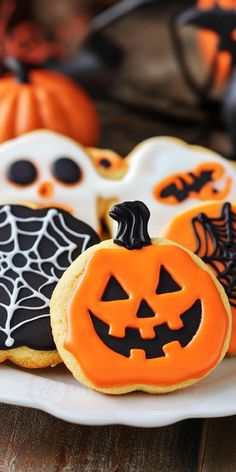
(207, 191)
(208, 41)
(138, 272)
(45, 189)
(181, 231)
(116, 161)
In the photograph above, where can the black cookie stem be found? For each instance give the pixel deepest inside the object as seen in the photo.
(20, 70)
(132, 218)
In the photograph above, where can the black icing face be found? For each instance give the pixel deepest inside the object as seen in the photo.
(22, 172)
(36, 247)
(153, 347)
(66, 171)
(163, 334)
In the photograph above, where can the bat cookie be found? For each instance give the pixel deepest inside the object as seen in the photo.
(169, 176)
(36, 247)
(139, 314)
(209, 230)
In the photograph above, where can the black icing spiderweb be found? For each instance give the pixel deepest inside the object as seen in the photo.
(36, 246)
(216, 245)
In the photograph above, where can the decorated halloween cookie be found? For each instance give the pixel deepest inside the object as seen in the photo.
(209, 230)
(169, 176)
(36, 246)
(139, 314)
(108, 163)
(48, 169)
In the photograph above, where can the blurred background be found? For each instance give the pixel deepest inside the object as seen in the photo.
(147, 73)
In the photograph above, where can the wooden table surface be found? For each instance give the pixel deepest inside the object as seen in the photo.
(32, 441)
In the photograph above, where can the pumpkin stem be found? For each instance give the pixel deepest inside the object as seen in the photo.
(132, 218)
(20, 70)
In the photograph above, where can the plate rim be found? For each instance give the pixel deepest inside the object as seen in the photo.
(35, 383)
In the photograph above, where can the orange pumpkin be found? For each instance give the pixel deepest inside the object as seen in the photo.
(209, 230)
(208, 42)
(43, 99)
(143, 314)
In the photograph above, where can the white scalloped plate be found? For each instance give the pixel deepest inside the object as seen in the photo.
(55, 391)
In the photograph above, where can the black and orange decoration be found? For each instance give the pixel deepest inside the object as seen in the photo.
(208, 41)
(210, 231)
(144, 312)
(63, 171)
(198, 184)
(217, 38)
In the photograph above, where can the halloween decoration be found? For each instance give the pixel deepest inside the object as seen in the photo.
(47, 169)
(216, 20)
(210, 231)
(199, 183)
(36, 246)
(169, 175)
(208, 41)
(222, 22)
(35, 99)
(138, 314)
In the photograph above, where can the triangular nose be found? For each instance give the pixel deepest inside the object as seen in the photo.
(144, 310)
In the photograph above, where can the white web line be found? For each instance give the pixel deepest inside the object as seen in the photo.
(7, 258)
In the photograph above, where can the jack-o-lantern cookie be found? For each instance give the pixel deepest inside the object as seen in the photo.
(108, 163)
(36, 247)
(48, 169)
(209, 230)
(139, 314)
(169, 176)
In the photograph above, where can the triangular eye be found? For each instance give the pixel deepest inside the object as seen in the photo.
(144, 310)
(166, 283)
(114, 291)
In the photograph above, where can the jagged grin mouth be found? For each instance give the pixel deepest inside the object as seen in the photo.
(153, 348)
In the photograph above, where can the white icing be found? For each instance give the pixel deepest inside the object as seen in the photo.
(148, 164)
(154, 160)
(64, 246)
(43, 148)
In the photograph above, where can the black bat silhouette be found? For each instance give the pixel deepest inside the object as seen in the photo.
(221, 21)
(198, 182)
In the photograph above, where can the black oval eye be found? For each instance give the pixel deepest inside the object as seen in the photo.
(66, 170)
(22, 172)
(105, 163)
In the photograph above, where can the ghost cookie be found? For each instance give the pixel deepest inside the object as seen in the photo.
(36, 246)
(169, 176)
(139, 314)
(47, 169)
(108, 163)
(209, 230)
